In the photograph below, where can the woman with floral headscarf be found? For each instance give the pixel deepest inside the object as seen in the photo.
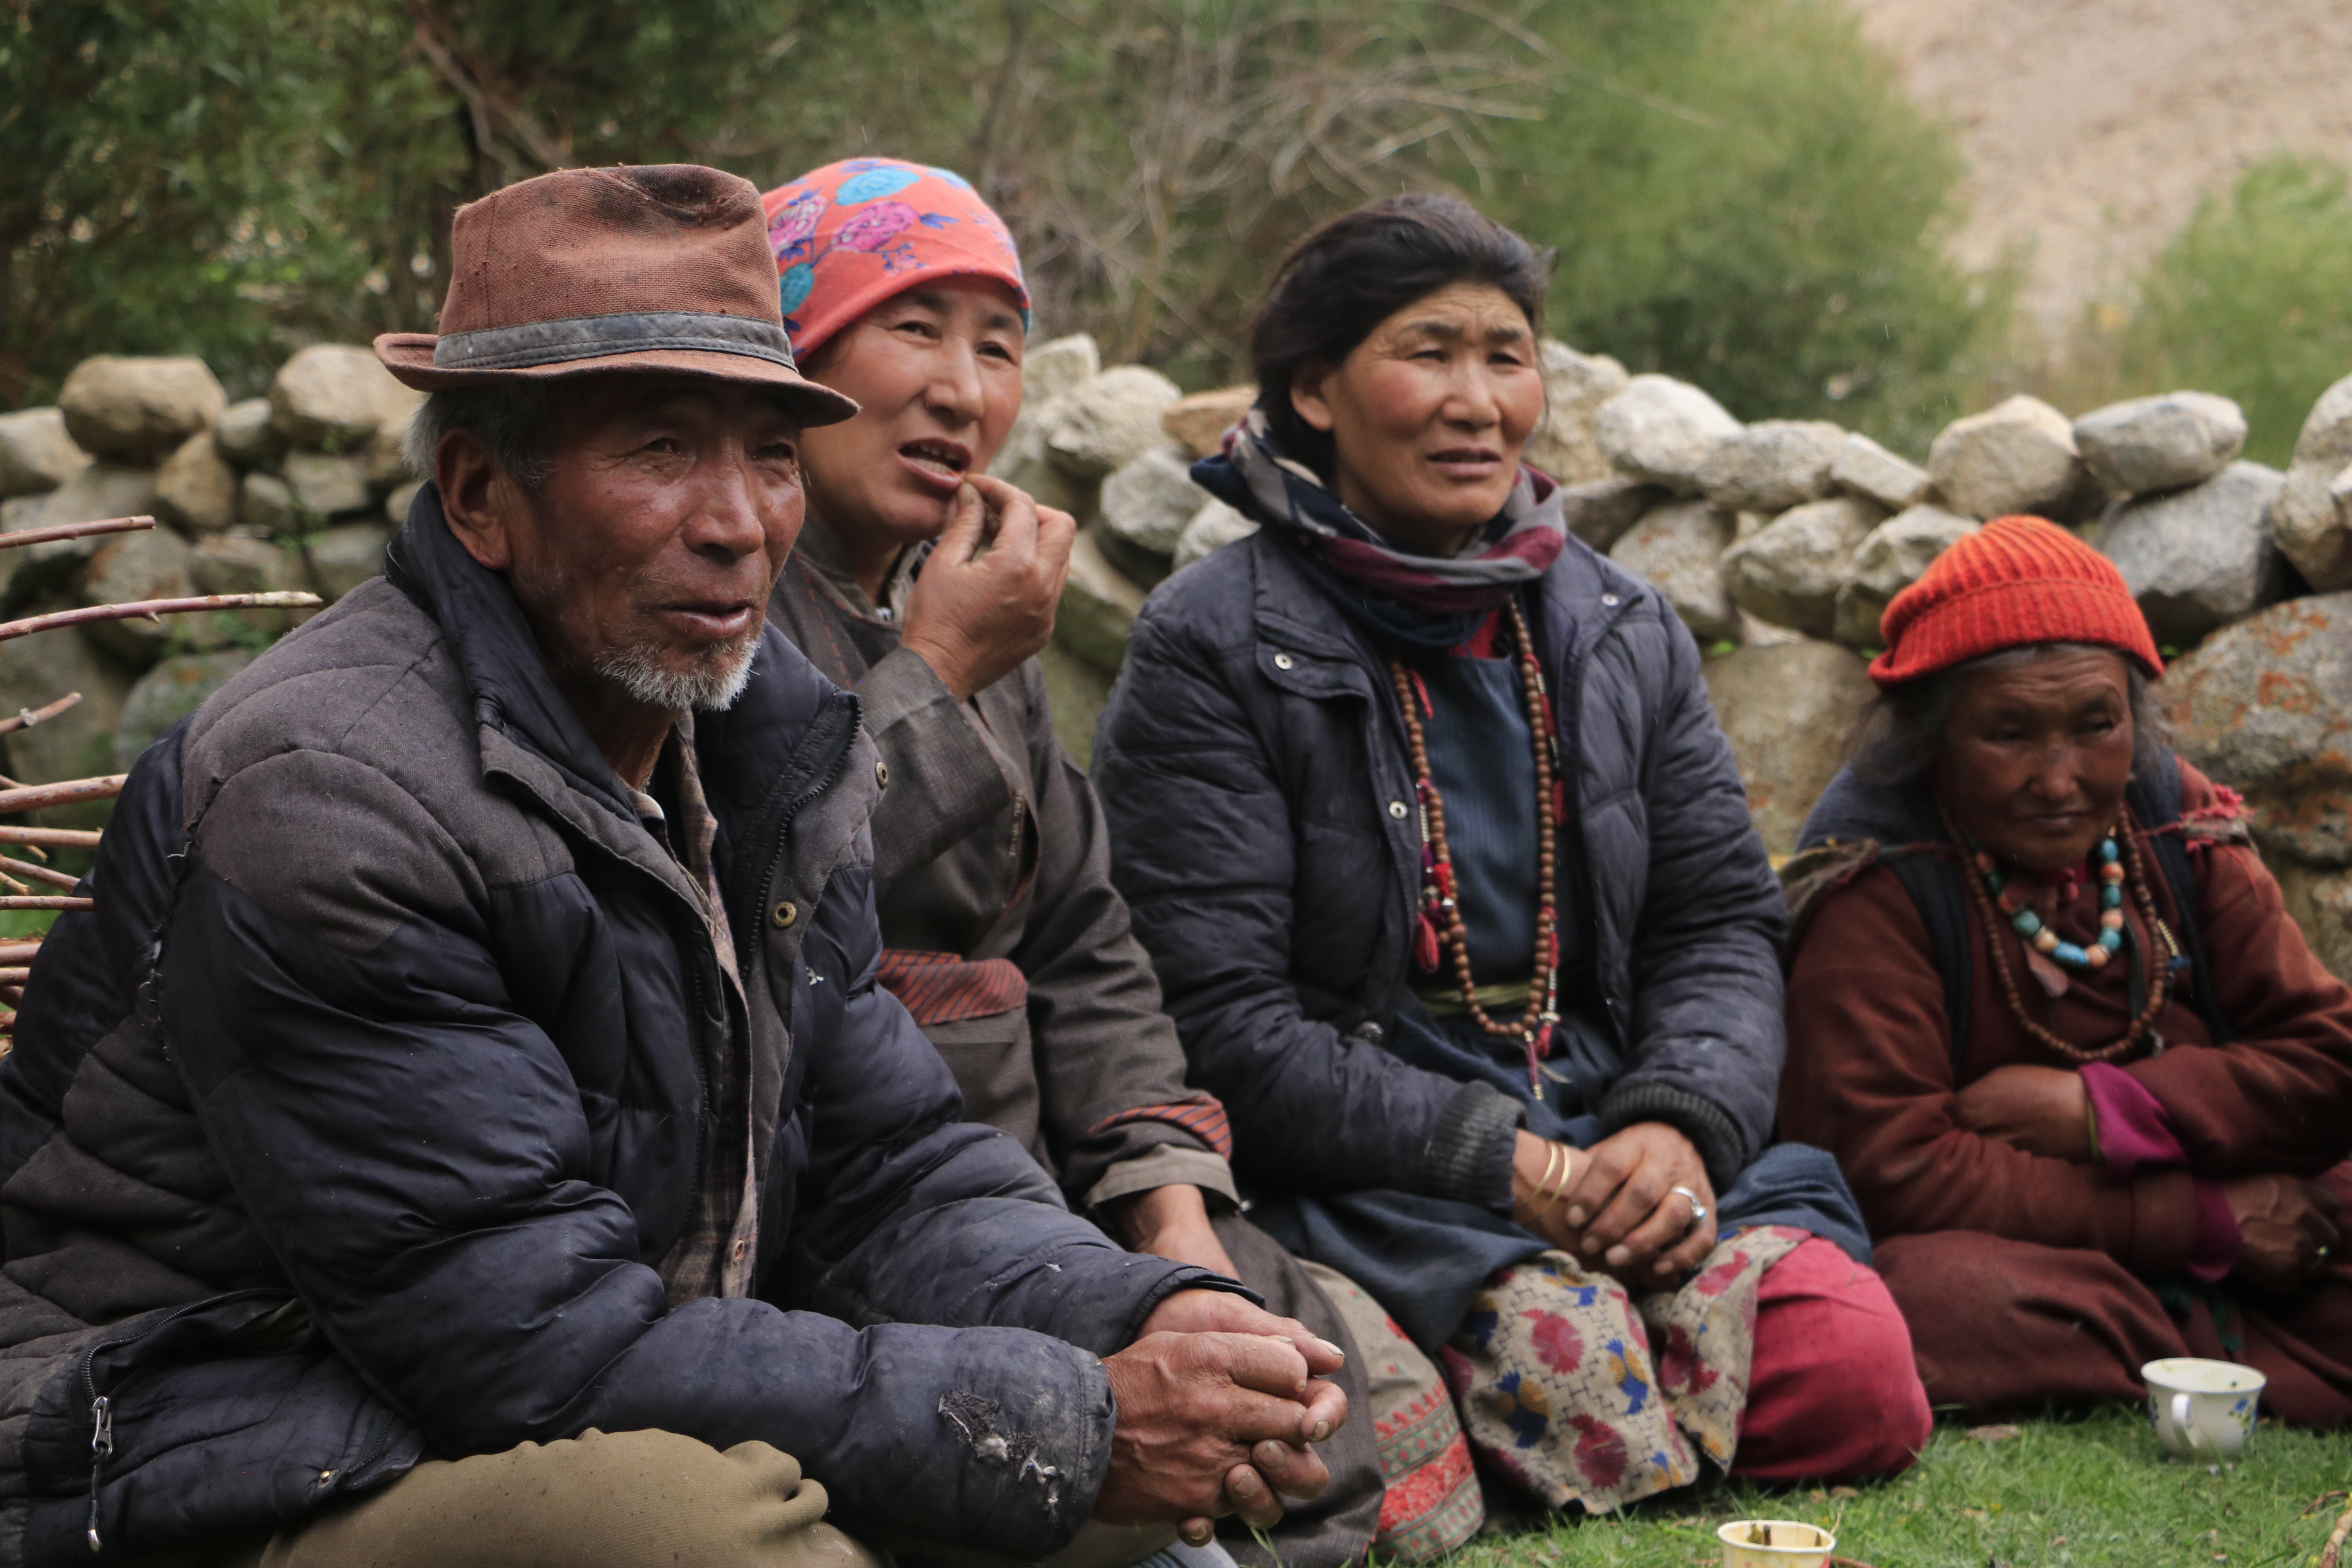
(1004, 936)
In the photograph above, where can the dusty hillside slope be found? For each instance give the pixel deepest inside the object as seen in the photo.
(2093, 126)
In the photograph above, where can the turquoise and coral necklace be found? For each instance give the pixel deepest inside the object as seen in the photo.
(2040, 937)
(2119, 864)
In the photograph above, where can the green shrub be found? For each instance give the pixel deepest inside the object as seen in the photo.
(2253, 298)
(1742, 195)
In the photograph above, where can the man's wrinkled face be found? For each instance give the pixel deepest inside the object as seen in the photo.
(647, 555)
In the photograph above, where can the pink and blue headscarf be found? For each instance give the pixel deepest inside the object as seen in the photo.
(850, 234)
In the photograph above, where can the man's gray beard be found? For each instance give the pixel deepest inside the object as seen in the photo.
(712, 685)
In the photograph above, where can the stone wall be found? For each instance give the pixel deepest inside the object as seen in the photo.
(297, 489)
(1781, 543)
(1778, 543)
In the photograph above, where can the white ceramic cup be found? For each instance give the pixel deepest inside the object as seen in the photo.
(2203, 1410)
(1774, 1543)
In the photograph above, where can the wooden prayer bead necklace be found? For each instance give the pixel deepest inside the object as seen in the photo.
(1441, 920)
(2160, 970)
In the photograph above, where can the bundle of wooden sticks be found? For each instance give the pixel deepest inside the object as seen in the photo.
(30, 883)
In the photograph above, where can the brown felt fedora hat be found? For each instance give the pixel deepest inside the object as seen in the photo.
(660, 268)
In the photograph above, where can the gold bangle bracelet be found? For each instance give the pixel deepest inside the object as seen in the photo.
(1566, 1164)
(1551, 1163)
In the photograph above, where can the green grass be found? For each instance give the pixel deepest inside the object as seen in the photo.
(2093, 1492)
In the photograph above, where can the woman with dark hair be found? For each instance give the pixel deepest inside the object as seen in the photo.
(2048, 1009)
(1449, 882)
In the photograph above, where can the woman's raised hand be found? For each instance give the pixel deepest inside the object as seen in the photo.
(985, 602)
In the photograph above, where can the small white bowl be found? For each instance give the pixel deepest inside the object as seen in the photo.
(1787, 1543)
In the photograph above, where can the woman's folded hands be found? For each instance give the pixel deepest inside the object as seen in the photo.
(1636, 1206)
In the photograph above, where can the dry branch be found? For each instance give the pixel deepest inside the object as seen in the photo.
(25, 536)
(151, 608)
(54, 837)
(42, 901)
(39, 873)
(18, 951)
(14, 976)
(27, 717)
(2327, 1559)
(37, 797)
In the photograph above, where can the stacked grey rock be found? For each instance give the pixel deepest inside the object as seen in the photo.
(1788, 710)
(2153, 443)
(134, 411)
(1146, 506)
(1790, 572)
(1864, 467)
(1771, 466)
(1660, 431)
(1678, 549)
(1889, 559)
(2265, 706)
(2312, 519)
(2016, 457)
(36, 453)
(234, 488)
(1567, 446)
(1049, 374)
(1211, 528)
(2200, 557)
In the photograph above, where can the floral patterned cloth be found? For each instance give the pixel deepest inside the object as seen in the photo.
(850, 234)
(1583, 1393)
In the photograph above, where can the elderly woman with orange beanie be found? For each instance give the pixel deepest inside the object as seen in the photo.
(2094, 1091)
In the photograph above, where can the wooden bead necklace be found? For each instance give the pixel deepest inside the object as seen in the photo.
(2124, 867)
(1439, 925)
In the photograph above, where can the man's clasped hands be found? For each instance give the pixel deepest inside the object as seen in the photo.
(1218, 1401)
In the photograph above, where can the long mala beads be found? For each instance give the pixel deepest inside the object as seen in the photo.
(2127, 870)
(1441, 901)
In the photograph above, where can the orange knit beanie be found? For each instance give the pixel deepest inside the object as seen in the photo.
(2015, 581)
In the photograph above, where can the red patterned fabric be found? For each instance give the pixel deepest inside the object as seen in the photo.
(940, 988)
(1201, 1113)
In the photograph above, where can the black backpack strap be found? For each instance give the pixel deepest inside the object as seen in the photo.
(2155, 800)
(1933, 880)
(1903, 817)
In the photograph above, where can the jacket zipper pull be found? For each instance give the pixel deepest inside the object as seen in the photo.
(102, 1448)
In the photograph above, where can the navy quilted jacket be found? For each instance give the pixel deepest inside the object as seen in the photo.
(1252, 765)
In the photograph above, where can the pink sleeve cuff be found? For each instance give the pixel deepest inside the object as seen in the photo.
(2134, 1128)
(2136, 1131)
(2215, 1251)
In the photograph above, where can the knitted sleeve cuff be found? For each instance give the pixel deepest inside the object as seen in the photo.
(1722, 1148)
(1468, 1156)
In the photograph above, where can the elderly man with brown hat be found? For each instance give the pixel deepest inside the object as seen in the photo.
(468, 1130)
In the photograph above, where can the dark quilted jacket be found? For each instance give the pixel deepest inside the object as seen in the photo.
(352, 1125)
(1252, 763)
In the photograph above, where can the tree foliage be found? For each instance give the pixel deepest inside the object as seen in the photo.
(1737, 191)
(2251, 299)
(1742, 195)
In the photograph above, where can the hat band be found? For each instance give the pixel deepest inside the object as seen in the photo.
(598, 337)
